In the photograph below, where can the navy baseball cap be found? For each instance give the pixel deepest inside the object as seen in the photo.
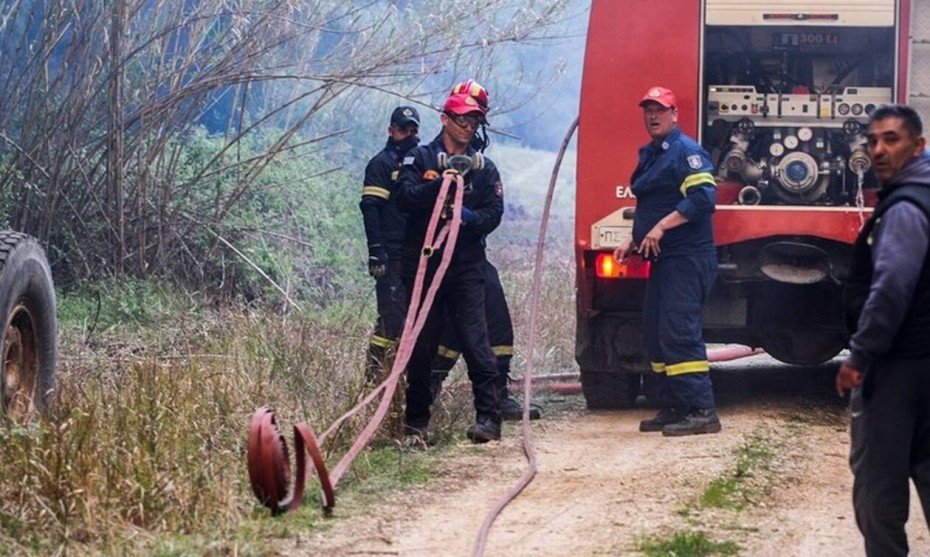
(404, 116)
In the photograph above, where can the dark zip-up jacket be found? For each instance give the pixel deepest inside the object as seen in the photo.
(887, 294)
(384, 222)
(417, 188)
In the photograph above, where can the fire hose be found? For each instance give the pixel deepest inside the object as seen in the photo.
(268, 459)
(267, 454)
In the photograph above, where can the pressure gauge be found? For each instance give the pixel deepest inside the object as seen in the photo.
(776, 149)
(805, 134)
(791, 141)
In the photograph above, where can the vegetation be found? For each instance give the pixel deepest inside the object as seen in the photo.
(144, 453)
(749, 477)
(753, 476)
(185, 140)
(192, 169)
(687, 544)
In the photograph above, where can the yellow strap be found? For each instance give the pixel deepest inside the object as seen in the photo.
(698, 179)
(502, 350)
(376, 191)
(658, 367)
(382, 342)
(681, 368)
(446, 352)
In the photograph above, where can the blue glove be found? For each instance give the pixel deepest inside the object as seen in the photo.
(468, 216)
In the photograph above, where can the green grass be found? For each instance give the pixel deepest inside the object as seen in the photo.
(750, 475)
(687, 544)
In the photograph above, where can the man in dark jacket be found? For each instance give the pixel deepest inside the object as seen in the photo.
(887, 302)
(462, 291)
(384, 230)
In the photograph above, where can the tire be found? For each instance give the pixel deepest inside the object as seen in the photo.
(803, 348)
(28, 344)
(609, 390)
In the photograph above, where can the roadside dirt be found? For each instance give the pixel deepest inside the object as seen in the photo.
(602, 486)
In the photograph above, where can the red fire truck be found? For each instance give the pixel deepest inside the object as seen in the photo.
(778, 92)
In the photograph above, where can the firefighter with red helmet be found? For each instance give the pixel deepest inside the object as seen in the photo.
(500, 324)
(384, 231)
(462, 291)
(675, 197)
(480, 141)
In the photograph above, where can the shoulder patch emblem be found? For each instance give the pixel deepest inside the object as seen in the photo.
(694, 161)
(499, 188)
(430, 175)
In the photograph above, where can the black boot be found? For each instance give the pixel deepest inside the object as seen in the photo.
(484, 430)
(666, 416)
(702, 420)
(512, 408)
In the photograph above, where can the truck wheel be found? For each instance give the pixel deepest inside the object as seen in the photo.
(803, 348)
(609, 390)
(28, 343)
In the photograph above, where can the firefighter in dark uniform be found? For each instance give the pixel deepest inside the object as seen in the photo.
(887, 299)
(384, 230)
(675, 197)
(462, 291)
(500, 325)
(500, 333)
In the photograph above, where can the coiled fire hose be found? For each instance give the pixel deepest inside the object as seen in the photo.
(267, 454)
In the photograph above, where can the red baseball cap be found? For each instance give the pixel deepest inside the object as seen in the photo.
(462, 103)
(660, 95)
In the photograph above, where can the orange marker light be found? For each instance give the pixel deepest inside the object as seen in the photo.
(607, 267)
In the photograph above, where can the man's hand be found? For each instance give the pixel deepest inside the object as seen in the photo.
(377, 261)
(650, 244)
(847, 378)
(627, 247)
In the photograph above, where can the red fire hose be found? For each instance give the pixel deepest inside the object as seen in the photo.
(723, 354)
(267, 454)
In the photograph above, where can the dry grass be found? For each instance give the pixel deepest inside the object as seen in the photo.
(145, 451)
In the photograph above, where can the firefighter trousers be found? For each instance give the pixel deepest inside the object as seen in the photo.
(890, 445)
(391, 294)
(462, 295)
(500, 334)
(672, 329)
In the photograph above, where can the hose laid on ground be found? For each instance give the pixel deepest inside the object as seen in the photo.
(528, 447)
(267, 454)
(557, 382)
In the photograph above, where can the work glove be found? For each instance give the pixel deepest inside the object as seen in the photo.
(377, 261)
(468, 216)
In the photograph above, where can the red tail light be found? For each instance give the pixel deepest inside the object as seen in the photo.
(607, 267)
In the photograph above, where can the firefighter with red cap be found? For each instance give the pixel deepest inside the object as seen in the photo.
(462, 291)
(675, 198)
(384, 231)
(500, 324)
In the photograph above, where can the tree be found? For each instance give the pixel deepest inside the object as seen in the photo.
(101, 102)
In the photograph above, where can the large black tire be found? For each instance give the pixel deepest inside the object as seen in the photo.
(801, 347)
(28, 344)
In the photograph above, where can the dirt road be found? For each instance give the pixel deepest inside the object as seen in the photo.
(603, 487)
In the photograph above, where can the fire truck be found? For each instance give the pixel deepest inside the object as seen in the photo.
(779, 93)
